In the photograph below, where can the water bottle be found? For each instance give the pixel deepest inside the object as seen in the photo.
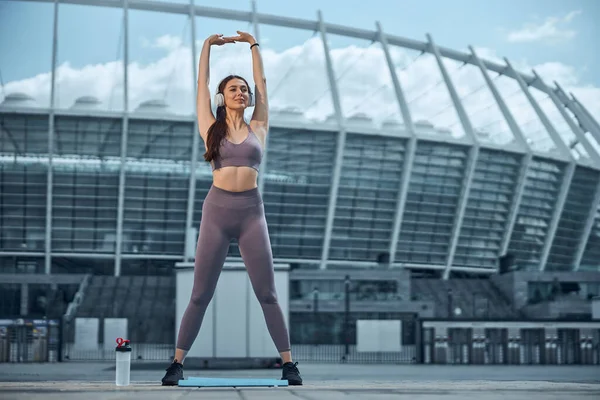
(123, 352)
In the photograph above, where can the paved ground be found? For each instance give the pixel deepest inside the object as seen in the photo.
(78, 380)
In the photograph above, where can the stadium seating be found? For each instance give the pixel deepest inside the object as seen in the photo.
(148, 302)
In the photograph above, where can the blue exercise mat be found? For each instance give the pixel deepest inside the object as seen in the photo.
(230, 382)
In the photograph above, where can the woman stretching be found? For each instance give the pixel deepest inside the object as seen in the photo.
(233, 207)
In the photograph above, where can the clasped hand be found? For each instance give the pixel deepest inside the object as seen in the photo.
(219, 39)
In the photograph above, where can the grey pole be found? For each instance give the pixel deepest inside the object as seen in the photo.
(409, 155)
(255, 24)
(195, 142)
(124, 135)
(585, 119)
(263, 164)
(525, 161)
(590, 117)
(472, 161)
(50, 172)
(574, 127)
(560, 144)
(339, 152)
(596, 126)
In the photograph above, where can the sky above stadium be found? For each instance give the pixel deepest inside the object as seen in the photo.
(555, 37)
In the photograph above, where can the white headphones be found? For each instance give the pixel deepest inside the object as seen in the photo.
(220, 99)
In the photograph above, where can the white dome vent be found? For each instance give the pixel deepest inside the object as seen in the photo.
(86, 103)
(17, 100)
(360, 121)
(153, 107)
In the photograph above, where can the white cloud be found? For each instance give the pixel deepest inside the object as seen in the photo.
(297, 78)
(552, 29)
(165, 42)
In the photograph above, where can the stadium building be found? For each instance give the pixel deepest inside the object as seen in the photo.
(405, 217)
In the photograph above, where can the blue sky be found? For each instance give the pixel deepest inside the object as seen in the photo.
(26, 28)
(556, 37)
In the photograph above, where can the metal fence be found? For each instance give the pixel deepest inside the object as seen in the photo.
(95, 346)
(30, 340)
(335, 353)
(439, 342)
(140, 352)
(511, 342)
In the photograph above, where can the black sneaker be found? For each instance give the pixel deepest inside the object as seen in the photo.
(173, 375)
(291, 374)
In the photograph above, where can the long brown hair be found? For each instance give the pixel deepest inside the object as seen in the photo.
(218, 130)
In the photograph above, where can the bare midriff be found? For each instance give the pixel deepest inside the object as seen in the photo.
(235, 179)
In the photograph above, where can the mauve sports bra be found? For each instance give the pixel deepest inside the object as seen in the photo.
(245, 154)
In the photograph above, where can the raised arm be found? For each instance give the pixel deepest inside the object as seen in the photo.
(203, 102)
(260, 116)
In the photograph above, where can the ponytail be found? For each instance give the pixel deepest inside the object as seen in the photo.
(215, 135)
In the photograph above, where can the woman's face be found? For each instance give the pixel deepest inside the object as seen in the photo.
(236, 94)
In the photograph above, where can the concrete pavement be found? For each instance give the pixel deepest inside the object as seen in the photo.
(93, 381)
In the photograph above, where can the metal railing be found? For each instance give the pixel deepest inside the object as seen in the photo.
(481, 342)
(78, 298)
(30, 340)
(510, 342)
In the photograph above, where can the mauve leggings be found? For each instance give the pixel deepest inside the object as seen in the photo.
(225, 216)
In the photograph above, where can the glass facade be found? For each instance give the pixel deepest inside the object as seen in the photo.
(591, 254)
(24, 134)
(155, 202)
(299, 170)
(84, 210)
(23, 206)
(486, 217)
(85, 184)
(155, 213)
(540, 195)
(23, 177)
(296, 193)
(431, 204)
(572, 220)
(367, 197)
